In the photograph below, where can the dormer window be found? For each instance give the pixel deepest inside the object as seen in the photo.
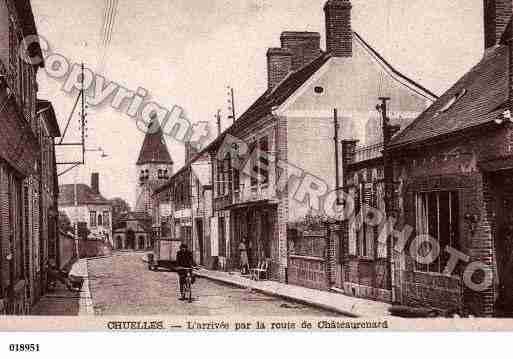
(451, 102)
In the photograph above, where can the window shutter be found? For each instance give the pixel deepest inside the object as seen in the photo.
(380, 196)
(214, 237)
(352, 223)
(368, 203)
(227, 236)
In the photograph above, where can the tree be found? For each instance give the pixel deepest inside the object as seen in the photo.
(65, 223)
(119, 206)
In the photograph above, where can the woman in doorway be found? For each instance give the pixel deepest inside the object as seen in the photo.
(244, 263)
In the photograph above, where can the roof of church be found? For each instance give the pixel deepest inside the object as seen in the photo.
(154, 148)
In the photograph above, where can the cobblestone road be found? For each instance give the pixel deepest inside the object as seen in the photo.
(122, 285)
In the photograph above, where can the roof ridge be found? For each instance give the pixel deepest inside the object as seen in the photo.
(392, 68)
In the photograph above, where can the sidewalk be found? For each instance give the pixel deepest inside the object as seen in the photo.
(63, 302)
(340, 303)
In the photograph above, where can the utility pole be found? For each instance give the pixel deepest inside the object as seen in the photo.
(218, 121)
(336, 127)
(388, 171)
(231, 103)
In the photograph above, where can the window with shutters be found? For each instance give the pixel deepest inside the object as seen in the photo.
(436, 214)
(254, 165)
(227, 175)
(263, 164)
(220, 178)
(92, 219)
(351, 225)
(366, 234)
(106, 219)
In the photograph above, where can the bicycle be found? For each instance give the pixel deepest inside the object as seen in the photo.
(186, 290)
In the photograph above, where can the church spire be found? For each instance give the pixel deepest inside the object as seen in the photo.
(154, 148)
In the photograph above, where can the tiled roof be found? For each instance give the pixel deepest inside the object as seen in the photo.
(85, 195)
(154, 148)
(477, 98)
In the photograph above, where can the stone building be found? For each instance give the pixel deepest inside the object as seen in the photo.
(154, 167)
(132, 231)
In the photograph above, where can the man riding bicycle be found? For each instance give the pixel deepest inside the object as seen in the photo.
(184, 263)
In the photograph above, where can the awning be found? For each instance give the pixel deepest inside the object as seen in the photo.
(262, 202)
(18, 145)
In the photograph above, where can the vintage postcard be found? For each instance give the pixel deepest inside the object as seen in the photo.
(256, 165)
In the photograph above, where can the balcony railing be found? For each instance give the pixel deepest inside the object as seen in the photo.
(365, 153)
(244, 194)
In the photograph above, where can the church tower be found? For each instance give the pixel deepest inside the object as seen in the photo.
(154, 166)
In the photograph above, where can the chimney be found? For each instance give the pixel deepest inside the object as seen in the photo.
(497, 14)
(304, 46)
(95, 182)
(339, 36)
(279, 64)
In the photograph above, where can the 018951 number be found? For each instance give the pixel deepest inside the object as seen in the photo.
(23, 347)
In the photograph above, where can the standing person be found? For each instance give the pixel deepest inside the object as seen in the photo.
(184, 262)
(244, 263)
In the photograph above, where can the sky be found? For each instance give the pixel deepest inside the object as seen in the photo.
(185, 53)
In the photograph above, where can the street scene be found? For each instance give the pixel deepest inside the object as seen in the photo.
(331, 158)
(122, 284)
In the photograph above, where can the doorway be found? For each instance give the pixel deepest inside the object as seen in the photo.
(130, 238)
(199, 231)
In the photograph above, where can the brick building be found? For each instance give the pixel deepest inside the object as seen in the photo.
(27, 167)
(452, 166)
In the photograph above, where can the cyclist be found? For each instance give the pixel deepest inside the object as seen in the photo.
(184, 262)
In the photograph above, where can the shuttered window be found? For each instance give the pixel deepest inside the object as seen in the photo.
(352, 223)
(214, 244)
(382, 248)
(92, 219)
(365, 232)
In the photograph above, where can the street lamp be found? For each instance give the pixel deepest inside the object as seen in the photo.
(99, 149)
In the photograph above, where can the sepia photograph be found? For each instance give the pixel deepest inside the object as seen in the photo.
(255, 165)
